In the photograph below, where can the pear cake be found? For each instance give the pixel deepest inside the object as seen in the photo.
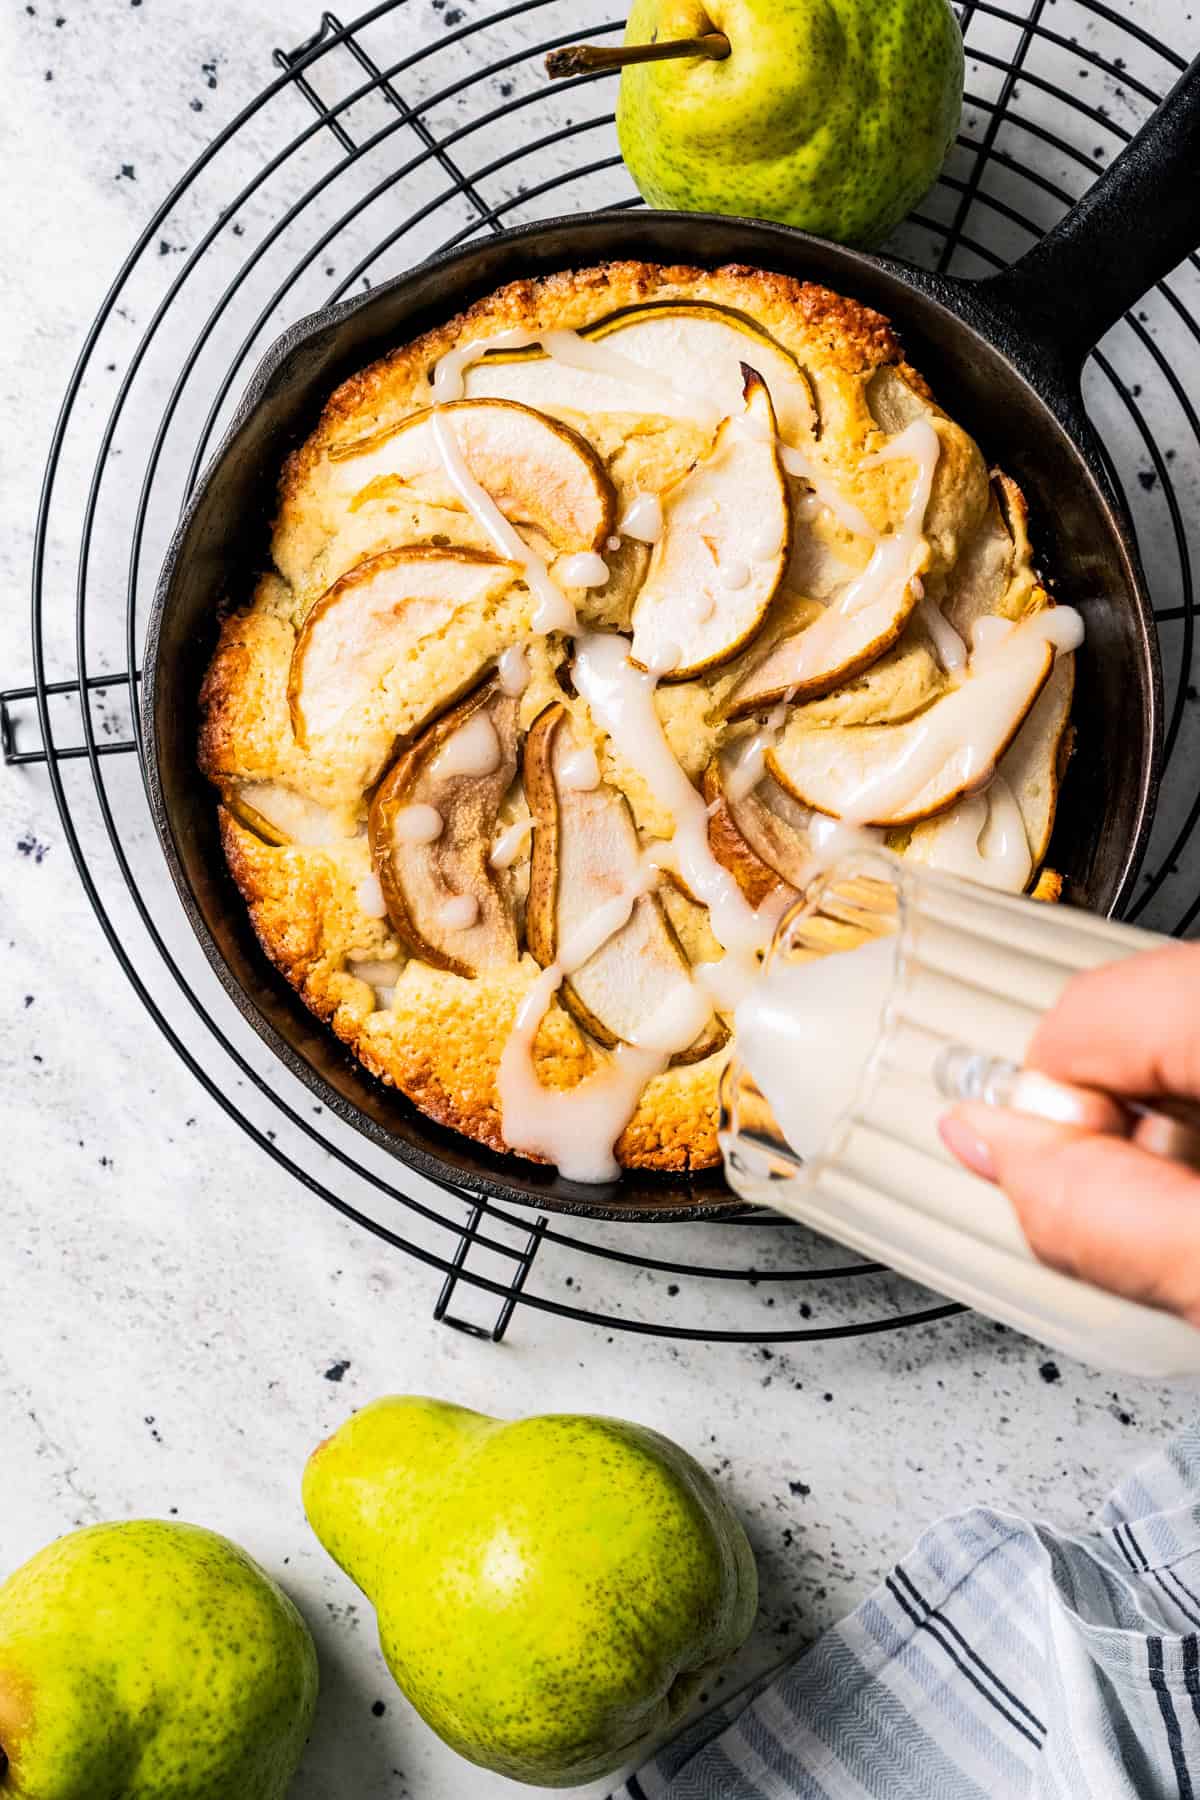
(597, 618)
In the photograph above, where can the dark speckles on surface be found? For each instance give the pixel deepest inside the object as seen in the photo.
(1050, 1371)
(378, 1709)
(336, 1370)
(800, 1488)
(127, 172)
(33, 847)
(1147, 478)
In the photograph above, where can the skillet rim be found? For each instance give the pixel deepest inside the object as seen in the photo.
(965, 305)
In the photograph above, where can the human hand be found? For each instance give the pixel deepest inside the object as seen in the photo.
(1093, 1202)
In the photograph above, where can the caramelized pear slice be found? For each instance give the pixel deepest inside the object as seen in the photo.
(368, 625)
(432, 825)
(725, 545)
(586, 853)
(677, 359)
(760, 837)
(900, 774)
(540, 473)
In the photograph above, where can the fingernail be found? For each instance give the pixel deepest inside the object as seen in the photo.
(967, 1146)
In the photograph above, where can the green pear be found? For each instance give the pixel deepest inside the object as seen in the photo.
(551, 1593)
(832, 115)
(150, 1660)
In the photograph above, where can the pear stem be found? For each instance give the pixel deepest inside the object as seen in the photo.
(590, 59)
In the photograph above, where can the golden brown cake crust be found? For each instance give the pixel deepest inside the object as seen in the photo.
(439, 1038)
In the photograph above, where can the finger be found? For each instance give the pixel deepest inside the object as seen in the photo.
(1100, 1208)
(1131, 1027)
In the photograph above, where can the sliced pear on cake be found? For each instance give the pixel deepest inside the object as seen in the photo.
(586, 854)
(834, 649)
(1031, 769)
(432, 824)
(366, 631)
(1035, 762)
(760, 836)
(677, 359)
(279, 815)
(899, 774)
(540, 473)
(723, 551)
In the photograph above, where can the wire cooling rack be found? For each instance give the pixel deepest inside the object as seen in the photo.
(362, 156)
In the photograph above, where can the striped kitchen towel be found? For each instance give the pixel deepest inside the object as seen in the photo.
(999, 1659)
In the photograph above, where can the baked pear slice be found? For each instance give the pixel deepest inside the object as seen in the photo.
(586, 853)
(676, 359)
(540, 473)
(760, 836)
(834, 649)
(1031, 768)
(862, 621)
(368, 626)
(279, 815)
(724, 549)
(900, 774)
(432, 824)
(1036, 761)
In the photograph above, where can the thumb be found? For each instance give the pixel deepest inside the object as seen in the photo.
(1098, 1207)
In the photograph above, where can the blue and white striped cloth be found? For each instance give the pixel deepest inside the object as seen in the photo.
(999, 1659)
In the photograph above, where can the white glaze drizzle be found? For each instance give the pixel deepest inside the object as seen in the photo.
(765, 547)
(418, 824)
(621, 701)
(669, 656)
(734, 574)
(554, 611)
(983, 838)
(951, 651)
(449, 370)
(585, 569)
(510, 843)
(458, 913)
(750, 766)
(892, 565)
(612, 544)
(968, 723)
(828, 495)
(369, 895)
(643, 519)
(601, 359)
(512, 670)
(576, 1128)
(579, 769)
(474, 749)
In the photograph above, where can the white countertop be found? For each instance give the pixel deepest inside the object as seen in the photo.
(184, 1321)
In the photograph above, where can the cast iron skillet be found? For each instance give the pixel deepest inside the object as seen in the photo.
(1004, 358)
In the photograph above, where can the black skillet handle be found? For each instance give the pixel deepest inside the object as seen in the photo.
(1131, 229)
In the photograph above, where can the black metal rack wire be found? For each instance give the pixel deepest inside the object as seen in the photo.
(367, 152)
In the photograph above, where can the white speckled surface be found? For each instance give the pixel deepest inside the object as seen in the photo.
(183, 1321)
